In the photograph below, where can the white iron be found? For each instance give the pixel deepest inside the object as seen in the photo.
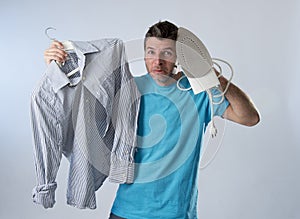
(195, 60)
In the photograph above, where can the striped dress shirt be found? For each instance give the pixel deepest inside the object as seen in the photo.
(90, 119)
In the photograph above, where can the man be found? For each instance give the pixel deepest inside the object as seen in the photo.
(170, 128)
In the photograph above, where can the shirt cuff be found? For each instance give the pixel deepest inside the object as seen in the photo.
(44, 195)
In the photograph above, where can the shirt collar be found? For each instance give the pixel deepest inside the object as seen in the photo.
(58, 78)
(85, 47)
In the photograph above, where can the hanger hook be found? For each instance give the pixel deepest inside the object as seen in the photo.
(46, 32)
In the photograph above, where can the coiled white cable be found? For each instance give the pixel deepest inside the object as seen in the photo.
(213, 129)
(221, 73)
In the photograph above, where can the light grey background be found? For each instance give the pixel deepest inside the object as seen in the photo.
(256, 172)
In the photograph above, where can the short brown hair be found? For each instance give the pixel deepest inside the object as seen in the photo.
(162, 29)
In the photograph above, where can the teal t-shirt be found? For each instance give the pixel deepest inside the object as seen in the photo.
(170, 127)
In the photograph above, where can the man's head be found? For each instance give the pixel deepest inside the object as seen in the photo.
(160, 50)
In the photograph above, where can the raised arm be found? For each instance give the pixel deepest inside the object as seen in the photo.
(241, 109)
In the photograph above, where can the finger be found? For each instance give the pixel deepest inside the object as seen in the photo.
(60, 52)
(50, 58)
(57, 44)
(54, 54)
(57, 55)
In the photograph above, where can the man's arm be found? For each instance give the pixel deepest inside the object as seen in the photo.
(241, 109)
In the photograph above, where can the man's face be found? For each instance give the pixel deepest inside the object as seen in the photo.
(160, 57)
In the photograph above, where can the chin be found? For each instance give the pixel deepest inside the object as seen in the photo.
(162, 78)
(159, 75)
(163, 74)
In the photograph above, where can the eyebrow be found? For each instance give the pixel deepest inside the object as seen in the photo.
(149, 47)
(167, 48)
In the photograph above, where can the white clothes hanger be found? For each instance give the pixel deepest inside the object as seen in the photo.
(67, 44)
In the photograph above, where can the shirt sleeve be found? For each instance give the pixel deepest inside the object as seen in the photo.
(47, 136)
(220, 103)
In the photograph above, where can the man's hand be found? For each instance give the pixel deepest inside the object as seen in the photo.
(55, 52)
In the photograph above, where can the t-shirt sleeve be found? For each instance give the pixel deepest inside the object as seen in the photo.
(221, 105)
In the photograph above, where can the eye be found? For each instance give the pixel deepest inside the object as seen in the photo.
(167, 53)
(150, 52)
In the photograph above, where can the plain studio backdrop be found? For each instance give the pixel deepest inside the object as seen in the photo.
(256, 172)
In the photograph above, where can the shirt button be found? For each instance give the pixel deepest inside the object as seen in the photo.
(83, 78)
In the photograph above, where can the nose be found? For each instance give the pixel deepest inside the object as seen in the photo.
(158, 60)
